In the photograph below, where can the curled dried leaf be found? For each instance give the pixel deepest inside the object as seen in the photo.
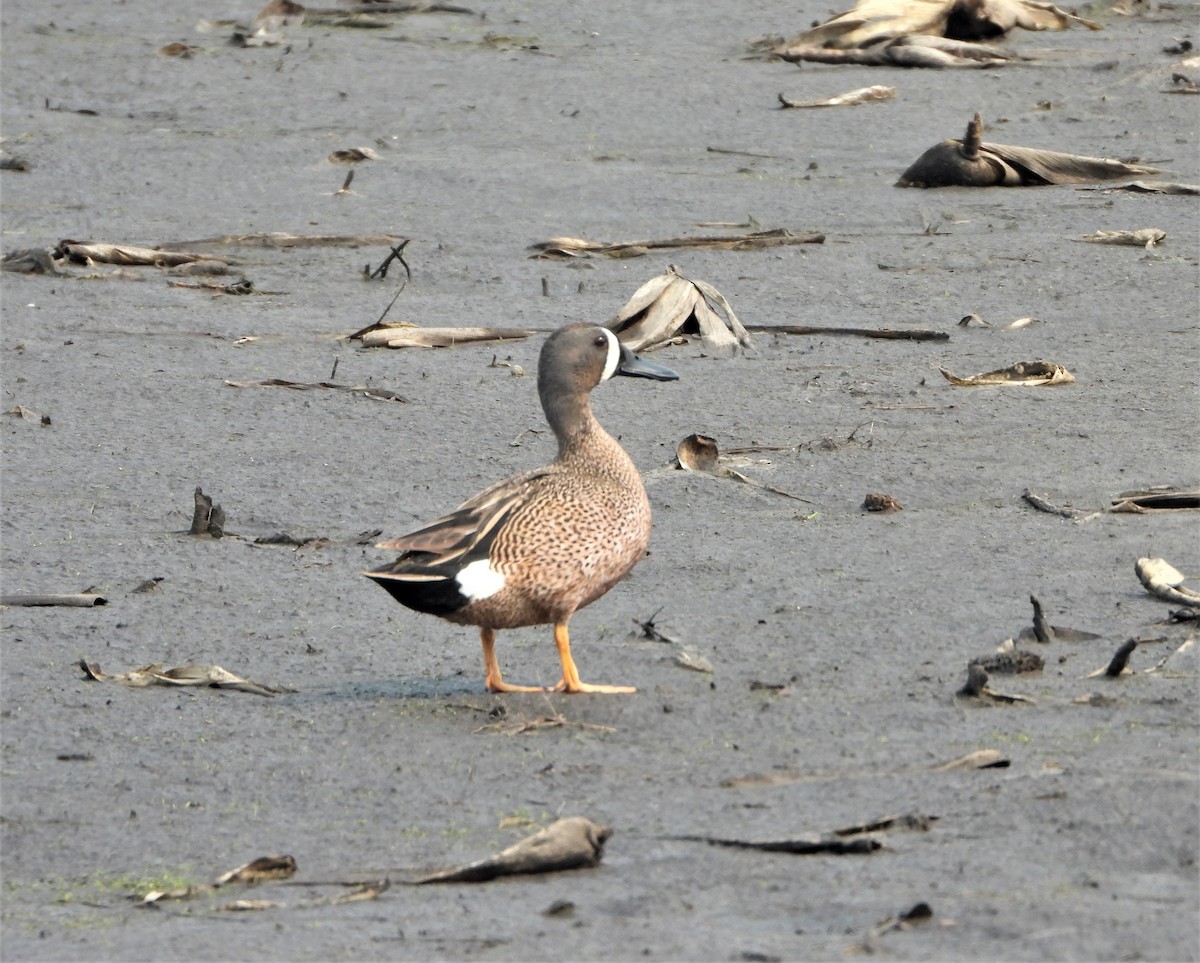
(1162, 579)
(1022, 374)
(672, 306)
(1147, 237)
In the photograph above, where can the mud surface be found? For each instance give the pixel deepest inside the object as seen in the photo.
(612, 121)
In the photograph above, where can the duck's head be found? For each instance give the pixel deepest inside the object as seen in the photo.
(578, 357)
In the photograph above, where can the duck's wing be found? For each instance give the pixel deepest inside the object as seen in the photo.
(470, 527)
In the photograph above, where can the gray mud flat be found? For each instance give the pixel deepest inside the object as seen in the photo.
(609, 121)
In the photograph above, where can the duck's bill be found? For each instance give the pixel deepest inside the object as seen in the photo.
(635, 367)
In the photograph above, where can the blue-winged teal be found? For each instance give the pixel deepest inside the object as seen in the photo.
(533, 549)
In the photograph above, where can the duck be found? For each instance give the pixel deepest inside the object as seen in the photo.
(537, 547)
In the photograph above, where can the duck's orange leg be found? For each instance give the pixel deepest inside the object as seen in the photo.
(492, 667)
(570, 680)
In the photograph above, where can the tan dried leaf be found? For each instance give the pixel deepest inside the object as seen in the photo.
(1022, 374)
(1147, 237)
(672, 306)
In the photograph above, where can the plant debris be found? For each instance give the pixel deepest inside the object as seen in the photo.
(90, 252)
(240, 287)
(919, 915)
(74, 600)
(979, 759)
(913, 50)
(890, 334)
(877, 502)
(563, 248)
(1009, 660)
(1119, 664)
(1065, 511)
(572, 843)
(1023, 374)
(377, 394)
(207, 518)
(1147, 237)
(1150, 187)
(909, 822)
(698, 453)
(1163, 580)
(1159, 498)
(410, 336)
(871, 21)
(555, 720)
(670, 307)
(972, 163)
(799, 846)
(284, 240)
(352, 155)
(973, 318)
(1042, 631)
(976, 687)
(212, 676)
(851, 98)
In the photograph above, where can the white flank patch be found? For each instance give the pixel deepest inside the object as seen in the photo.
(479, 580)
(614, 355)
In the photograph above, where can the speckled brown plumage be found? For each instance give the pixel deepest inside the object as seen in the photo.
(537, 547)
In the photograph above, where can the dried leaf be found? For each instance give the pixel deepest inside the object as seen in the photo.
(571, 843)
(671, 306)
(1147, 237)
(1022, 374)
(871, 21)
(1161, 498)
(863, 95)
(971, 162)
(699, 453)
(1162, 579)
(258, 870)
(78, 252)
(979, 759)
(352, 155)
(186, 675)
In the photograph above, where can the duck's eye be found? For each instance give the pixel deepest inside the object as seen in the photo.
(601, 341)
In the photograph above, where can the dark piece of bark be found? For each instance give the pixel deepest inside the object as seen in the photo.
(1120, 660)
(76, 600)
(876, 502)
(976, 687)
(263, 868)
(1042, 630)
(1042, 505)
(917, 334)
(912, 822)
(977, 678)
(571, 843)
(798, 847)
(201, 513)
(1014, 662)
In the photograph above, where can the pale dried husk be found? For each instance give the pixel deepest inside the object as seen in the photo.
(672, 308)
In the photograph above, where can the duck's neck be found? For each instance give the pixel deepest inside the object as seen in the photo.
(582, 438)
